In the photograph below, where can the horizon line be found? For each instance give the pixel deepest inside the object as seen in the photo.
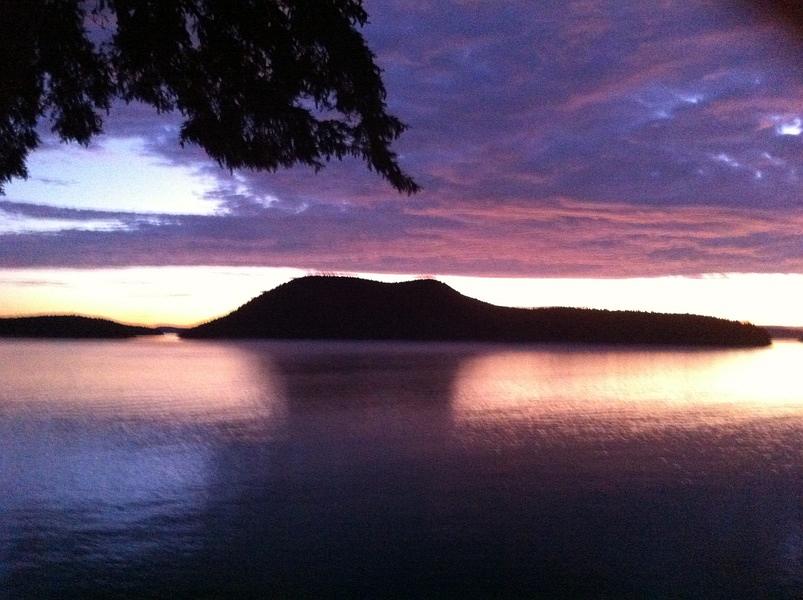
(369, 277)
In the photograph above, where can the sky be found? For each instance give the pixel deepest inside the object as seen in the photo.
(613, 154)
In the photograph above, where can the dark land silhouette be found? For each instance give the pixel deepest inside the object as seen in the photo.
(318, 307)
(69, 327)
(784, 332)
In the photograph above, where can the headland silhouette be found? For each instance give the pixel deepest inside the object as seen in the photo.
(331, 307)
(70, 327)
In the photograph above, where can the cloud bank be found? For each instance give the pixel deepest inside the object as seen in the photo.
(581, 139)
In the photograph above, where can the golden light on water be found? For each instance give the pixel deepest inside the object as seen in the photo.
(766, 379)
(132, 379)
(687, 388)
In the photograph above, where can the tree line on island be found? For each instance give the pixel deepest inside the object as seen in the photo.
(70, 327)
(348, 308)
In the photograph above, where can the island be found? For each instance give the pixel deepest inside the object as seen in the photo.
(780, 333)
(69, 327)
(349, 308)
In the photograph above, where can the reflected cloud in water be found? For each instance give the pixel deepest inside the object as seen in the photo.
(145, 378)
(198, 468)
(658, 387)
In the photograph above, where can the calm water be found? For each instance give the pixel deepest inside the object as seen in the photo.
(163, 468)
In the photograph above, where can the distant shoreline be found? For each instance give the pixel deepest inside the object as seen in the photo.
(353, 309)
(69, 327)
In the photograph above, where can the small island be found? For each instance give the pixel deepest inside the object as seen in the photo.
(349, 308)
(69, 327)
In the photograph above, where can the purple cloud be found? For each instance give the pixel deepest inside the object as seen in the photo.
(562, 237)
(583, 138)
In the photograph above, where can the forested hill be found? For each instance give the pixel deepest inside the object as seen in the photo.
(352, 308)
(69, 327)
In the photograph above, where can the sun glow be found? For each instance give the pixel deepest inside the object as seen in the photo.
(184, 296)
(765, 298)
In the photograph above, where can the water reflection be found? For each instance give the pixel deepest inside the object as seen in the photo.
(297, 469)
(139, 379)
(676, 384)
(335, 502)
(107, 453)
(668, 417)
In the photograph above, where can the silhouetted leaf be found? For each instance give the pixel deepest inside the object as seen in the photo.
(261, 84)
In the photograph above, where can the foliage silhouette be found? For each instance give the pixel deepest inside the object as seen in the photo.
(351, 308)
(69, 326)
(261, 84)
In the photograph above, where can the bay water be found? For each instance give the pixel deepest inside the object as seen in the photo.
(164, 468)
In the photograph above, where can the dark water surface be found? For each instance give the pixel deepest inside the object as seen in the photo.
(175, 469)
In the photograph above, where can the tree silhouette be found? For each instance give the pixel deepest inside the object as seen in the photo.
(260, 84)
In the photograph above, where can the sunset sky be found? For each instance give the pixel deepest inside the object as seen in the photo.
(621, 154)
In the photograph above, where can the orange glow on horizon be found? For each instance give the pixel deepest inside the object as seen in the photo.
(185, 296)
